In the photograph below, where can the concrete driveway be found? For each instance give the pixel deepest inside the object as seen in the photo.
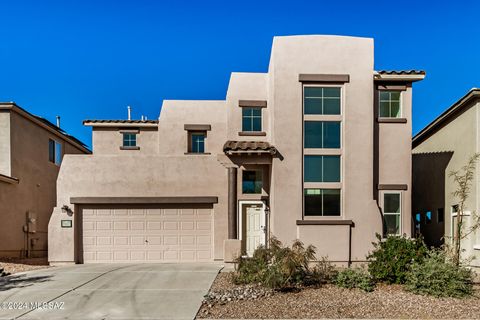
(107, 291)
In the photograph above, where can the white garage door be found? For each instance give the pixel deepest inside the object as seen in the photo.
(147, 235)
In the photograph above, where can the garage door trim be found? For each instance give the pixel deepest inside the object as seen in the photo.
(143, 200)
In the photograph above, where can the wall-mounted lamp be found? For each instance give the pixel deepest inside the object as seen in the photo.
(66, 209)
(267, 210)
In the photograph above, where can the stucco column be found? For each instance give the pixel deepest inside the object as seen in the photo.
(232, 203)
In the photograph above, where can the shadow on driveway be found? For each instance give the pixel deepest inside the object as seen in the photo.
(21, 281)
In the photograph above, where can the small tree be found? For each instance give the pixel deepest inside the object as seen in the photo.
(463, 179)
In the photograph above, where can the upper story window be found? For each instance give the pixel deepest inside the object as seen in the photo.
(251, 119)
(197, 142)
(322, 134)
(322, 122)
(390, 104)
(54, 151)
(392, 212)
(129, 139)
(322, 100)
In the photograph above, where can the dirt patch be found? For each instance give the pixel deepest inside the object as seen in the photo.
(15, 265)
(330, 301)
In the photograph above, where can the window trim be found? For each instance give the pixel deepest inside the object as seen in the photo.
(244, 132)
(324, 152)
(190, 134)
(129, 147)
(400, 193)
(401, 117)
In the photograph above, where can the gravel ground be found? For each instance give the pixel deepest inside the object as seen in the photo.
(15, 265)
(332, 302)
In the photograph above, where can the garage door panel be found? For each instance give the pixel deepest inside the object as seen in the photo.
(147, 235)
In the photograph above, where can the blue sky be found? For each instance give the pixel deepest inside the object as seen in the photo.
(90, 59)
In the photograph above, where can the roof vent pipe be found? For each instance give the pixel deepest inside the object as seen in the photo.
(58, 121)
(143, 117)
(129, 112)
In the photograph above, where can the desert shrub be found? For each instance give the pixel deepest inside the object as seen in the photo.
(355, 278)
(440, 277)
(391, 258)
(282, 267)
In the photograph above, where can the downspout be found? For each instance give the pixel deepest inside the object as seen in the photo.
(232, 203)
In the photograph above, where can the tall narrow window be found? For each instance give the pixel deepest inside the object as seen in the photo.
(390, 106)
(54, 152)
(129, 139)
(197, 142)
(251, 119)
(322, 116)
(392, 211)
(440, 215)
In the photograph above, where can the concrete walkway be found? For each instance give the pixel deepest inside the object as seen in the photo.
(107, 291)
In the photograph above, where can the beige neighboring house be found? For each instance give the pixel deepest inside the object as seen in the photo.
(443, 146)
(318, 148)
(31, 150)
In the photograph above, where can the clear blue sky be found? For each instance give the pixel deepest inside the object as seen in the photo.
(90, 59)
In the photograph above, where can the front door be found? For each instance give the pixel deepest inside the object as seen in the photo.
(255, 226)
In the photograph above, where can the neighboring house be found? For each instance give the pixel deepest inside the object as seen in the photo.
(443, 146)
(315, 149)
(31, 150)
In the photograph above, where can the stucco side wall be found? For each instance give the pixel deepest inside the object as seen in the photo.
(154, 176)
(461, 137)
(247, 86)
(109, 140)
(173, 138)
(292, 56)
(395, 157)
(36, 190)
(5, 153)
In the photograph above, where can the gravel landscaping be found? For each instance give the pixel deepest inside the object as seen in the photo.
(227, 300)
(15, 265)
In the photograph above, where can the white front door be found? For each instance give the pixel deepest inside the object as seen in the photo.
(255, 226)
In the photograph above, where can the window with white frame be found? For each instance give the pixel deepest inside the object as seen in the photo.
(322, 122)
(390, 104)
(392, 212)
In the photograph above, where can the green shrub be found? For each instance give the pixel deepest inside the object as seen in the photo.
(355, 278)
(281, 267)
(391, 259)
(437, 276)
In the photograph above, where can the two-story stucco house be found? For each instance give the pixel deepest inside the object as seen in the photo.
(318, 148)
(31, 150)
(443, 146)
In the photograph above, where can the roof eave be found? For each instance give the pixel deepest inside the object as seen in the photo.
(119, 124)
(12, 106)
(442, 118)
(399, 77)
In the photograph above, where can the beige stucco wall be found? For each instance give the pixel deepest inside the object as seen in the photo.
(173, 139)
(290, 57)
(462, 137)
(36, 190)
(247, 86)
(154, 176)
(5, 154)
(395, 158)
(108, 140)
